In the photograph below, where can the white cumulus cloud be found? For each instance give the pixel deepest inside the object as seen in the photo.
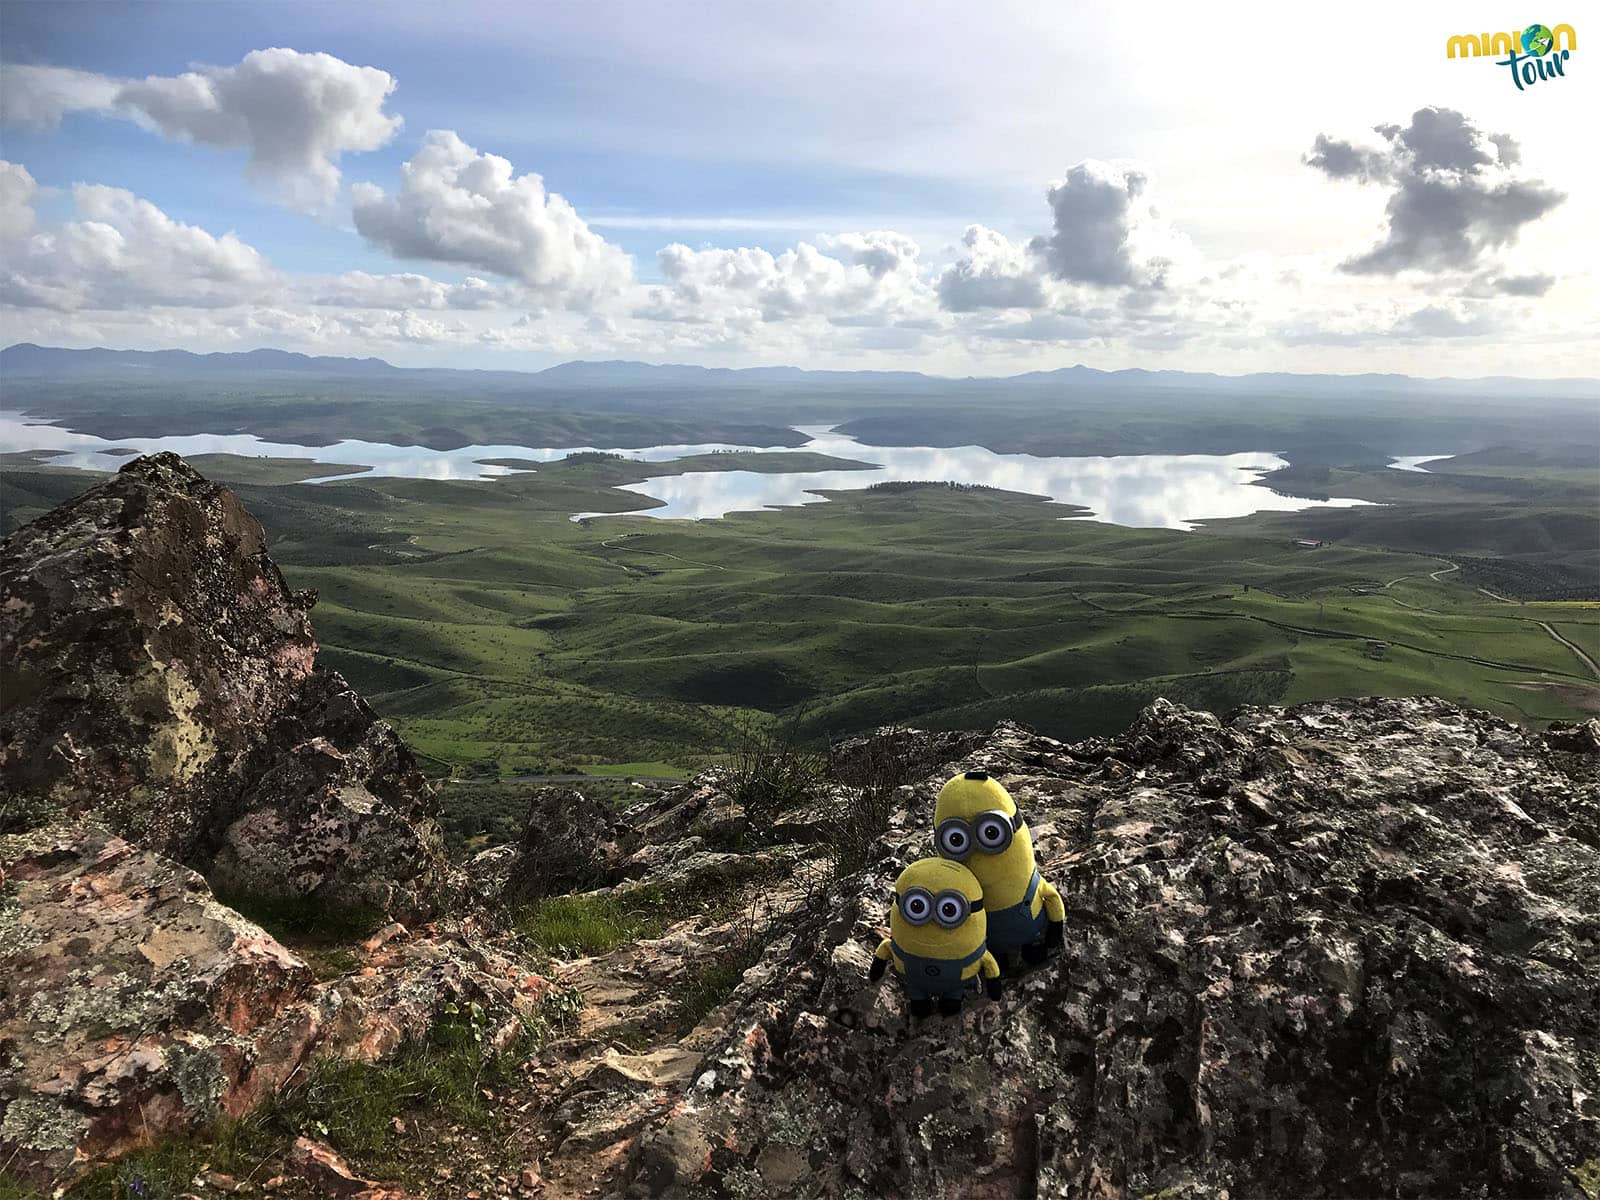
(458, 205)
(295, 113)
(125, 252)
(873, 278)
(16, 200)
(38, 97)
(991, 272)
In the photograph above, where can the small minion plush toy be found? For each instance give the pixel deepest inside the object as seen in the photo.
(976, 823)
(936, 937)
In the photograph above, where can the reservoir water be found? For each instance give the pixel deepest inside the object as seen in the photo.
(1144, 490)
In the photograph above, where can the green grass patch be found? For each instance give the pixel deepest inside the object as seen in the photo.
(12, 1188)
(593, 923)
(712, 985)
(351, 1106)
(166, 1169)
(656, 770)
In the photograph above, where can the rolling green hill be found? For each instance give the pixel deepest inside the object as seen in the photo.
(489, 626)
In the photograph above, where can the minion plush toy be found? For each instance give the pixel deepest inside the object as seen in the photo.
(936, 937)
(976, 823)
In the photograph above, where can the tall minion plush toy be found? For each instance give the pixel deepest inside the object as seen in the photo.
(976, 823)
(936, 937)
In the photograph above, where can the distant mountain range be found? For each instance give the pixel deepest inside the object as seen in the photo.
(28, 361)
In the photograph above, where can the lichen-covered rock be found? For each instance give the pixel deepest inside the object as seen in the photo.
(569, 843)
(342, 814)
(156, 671)
(1346, 949)
(131, 1002)
(410, 977)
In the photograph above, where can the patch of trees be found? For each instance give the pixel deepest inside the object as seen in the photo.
(910, 485)
(1522, 580)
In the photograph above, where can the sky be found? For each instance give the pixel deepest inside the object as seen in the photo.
(953, 188)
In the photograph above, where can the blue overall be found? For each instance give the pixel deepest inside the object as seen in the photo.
(1017, 926)
(935, 976)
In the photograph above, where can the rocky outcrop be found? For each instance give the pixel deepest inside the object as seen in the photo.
(1348, 949)
(132, 1001)
(156, 672)
(133, 1004)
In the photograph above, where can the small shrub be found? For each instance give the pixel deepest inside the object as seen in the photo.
(854, 825)
(21, 812)
(869, 779)
(772, 772)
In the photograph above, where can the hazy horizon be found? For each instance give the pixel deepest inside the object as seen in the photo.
(789, 366)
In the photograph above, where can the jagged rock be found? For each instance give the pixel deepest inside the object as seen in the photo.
(1572, 737)
(133, 1004)
(569, 843)
(679, 812)
(156, 671)
(695, 870)
(899, 753)
(1346, 949)
(343, 815)
(486, 873)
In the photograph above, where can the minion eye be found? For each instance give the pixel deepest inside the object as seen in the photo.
(994, 833)
(916, 907)
(950, 911)
(954, 840)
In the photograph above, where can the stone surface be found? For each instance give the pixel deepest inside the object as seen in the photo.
(132, 1001)
(133, 1004)
(156, 671)
(569, 843)
(1347, 949)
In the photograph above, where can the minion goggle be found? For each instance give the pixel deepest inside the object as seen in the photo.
(990, 833)
(948, 908)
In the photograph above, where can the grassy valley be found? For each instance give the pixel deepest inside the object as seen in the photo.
(503, 638)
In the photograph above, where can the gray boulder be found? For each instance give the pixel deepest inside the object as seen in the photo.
(156, 672)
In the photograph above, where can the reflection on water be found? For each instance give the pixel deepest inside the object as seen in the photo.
(1413, 462)
(1147, 490)
(84, 450)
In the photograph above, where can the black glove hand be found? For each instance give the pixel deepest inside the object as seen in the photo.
(1055, 933)
(994, 987)
(879, 966)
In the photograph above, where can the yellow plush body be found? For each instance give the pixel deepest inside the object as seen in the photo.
(936, 961)
(1024, 911)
